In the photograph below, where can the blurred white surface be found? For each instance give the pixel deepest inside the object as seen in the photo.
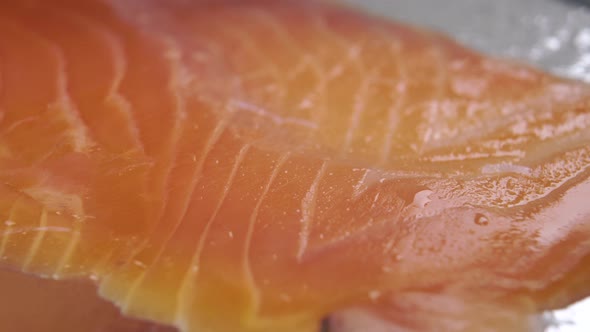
(575, 318)
(550, 34)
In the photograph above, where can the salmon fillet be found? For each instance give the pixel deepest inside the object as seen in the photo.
(258, 165)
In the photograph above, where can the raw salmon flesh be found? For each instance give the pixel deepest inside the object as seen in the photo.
(258, 166)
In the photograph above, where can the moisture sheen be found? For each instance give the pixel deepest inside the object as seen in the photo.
(258, 165)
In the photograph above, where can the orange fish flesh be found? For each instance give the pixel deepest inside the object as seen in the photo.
(258, 165)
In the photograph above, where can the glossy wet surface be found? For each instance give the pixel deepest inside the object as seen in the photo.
(551, 34)
(429, 180)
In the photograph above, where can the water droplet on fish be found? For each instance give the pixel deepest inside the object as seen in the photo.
(140, 264)
(481, 220)
(374, 295)
(421, 198)
(506, 168)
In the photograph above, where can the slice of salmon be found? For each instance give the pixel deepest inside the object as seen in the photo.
(257, 165)
(32, 304)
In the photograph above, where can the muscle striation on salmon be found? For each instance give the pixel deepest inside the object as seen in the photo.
(259, 165)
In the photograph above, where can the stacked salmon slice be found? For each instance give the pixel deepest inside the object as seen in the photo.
(258, 165)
